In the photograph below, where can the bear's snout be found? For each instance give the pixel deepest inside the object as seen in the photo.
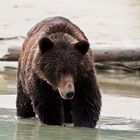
(66, 87)
(67, 92)
(70, 95)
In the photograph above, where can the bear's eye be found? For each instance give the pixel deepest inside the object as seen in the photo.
(59, 70)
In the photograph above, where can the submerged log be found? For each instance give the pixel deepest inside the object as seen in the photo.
(12, 55)
(101, 54)
(130, 66)
(11, 38)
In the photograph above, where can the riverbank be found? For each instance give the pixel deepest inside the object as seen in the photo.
(109, 22)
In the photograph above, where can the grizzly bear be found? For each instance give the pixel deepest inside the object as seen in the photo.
(56, 78)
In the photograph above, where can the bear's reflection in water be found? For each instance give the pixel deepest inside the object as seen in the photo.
(32, 129)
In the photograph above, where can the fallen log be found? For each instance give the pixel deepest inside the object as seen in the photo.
(107, 54)
(101, 54)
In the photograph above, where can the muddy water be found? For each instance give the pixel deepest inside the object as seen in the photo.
(119, 117)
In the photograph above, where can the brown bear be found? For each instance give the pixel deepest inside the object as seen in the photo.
(56, 78)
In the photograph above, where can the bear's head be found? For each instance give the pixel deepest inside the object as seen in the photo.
(59, 62)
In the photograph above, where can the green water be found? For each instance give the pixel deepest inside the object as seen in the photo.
(31, 129)
(116, 121)
(7, 79)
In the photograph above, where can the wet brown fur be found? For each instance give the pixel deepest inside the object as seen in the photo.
(35, 95)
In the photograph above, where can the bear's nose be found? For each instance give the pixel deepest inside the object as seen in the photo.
(70, 94)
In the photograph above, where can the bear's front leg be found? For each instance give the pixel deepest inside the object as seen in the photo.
(47, 105)
(67, 111)
(23, 103)
(87, 102)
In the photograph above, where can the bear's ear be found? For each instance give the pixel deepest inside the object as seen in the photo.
(45, 44)
(82, 46)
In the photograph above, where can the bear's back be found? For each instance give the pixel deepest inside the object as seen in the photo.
(57, 24)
